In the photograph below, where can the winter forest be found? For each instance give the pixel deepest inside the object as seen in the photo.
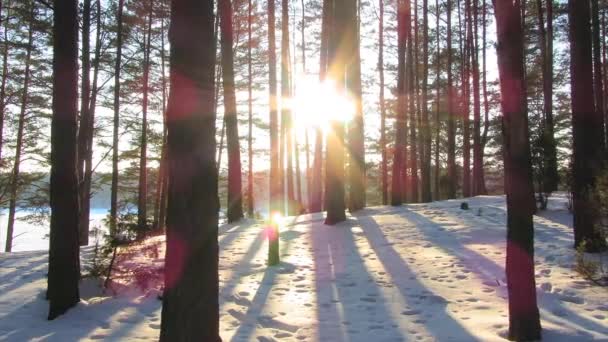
(303, 170)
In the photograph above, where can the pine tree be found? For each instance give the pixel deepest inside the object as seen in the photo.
(190, 300)
(425, 129)
(384, 161)
(235, 200)
(451, 191)
(586, 127)
(524, 321)
(64, 260)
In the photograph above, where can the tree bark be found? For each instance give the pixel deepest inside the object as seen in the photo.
(250, 112)
(524, 321)
(286, 115)
(466, 101)
(190, 309)
(436, 188)
(356, 137)
(598, 83)
(586, 127)
(4, 76)
(383, 167)
(64, 260)
(451, 188)
(235, 198)
(317, 174)
(403, 33)
(425, 129)
(142, 202)
(117, 68)
(413, 148)
(85, 117)
(275, 174)
(479, 187)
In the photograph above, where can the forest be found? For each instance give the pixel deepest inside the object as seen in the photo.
(232, 168)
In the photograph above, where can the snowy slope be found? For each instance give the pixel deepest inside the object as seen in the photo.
(415, 273)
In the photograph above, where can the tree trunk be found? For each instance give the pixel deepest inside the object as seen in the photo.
(117, 68)
(317, 174)
(286, 115)
(586, 128)
(524, 321)
(85, 117)
(86, 183)
(403, 32)
(436, 192)
(383, 167)
(550, 176)
(451, 188)
(14, 183)
(190, 300)
(356, 137)
(235, 199)
(425, 129)
(340, 46)
(250, 110)
(161, 182)
(413, 148)
(479, 187)
(4, 77)
(466, 101)
(275, 181)
(598, 85)
(142, 202)
(486, 105)
(64, 260)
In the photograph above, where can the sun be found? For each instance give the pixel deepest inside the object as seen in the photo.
(317, 104)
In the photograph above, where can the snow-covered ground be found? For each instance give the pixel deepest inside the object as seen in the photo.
(424, 272)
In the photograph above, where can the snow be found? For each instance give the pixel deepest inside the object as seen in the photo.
(421, 272)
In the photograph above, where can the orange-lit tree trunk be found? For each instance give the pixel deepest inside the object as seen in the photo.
(524, 321)
(190, 309)
(451, 133)
(64, 259)
(235, 199)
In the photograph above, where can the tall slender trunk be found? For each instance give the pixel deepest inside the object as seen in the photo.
(142, 202)
(160, 205)
(117, 68)
(250, 112)
(306, 138)
(605, 67)
(4, 76)
(411, 91)
(14, 183)
(356, 138)
(479, 187)
(383, 167)
(466, 144)
(486, 104)
(317, 175)
(452, 179)
(235, 199)
(524, 321)
(64, 260)
(403, 31)
(598, 82)
(550, 175)
(88, 162)
(275, 174)
(85, 117)
(286, 115)
(586, 128)
(190, 309)
(436, 193)
(340, 46)
(425, 129)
